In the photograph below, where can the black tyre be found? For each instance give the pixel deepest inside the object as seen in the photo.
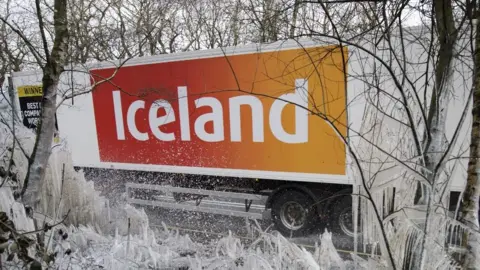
(293, 213)
(341, 216)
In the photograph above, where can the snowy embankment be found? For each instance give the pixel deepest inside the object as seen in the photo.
(85, 232)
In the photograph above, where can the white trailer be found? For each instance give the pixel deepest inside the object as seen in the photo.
(217, 130)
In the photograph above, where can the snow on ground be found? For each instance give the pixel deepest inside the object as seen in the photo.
(97, 236)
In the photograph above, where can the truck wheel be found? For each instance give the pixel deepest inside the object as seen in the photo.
(293, 213)
(342, 217)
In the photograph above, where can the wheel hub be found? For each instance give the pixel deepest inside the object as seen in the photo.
(293, 215)
(345, 219)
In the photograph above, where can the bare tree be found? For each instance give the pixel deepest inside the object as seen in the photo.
(408, 89)
(470, 201)
(51, 76)
(13, 50)
(423, 114)
(50, 52)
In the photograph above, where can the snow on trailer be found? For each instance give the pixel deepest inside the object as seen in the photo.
(221, 129)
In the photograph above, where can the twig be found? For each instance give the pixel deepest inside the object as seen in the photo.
(49, 226)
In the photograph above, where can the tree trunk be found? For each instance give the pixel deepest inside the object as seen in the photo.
(235, 23)
(11, 95)
(294, 19)
(435, 145)
(470, 201)
(46, 127)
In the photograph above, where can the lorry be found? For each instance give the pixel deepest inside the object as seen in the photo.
(255, 131)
